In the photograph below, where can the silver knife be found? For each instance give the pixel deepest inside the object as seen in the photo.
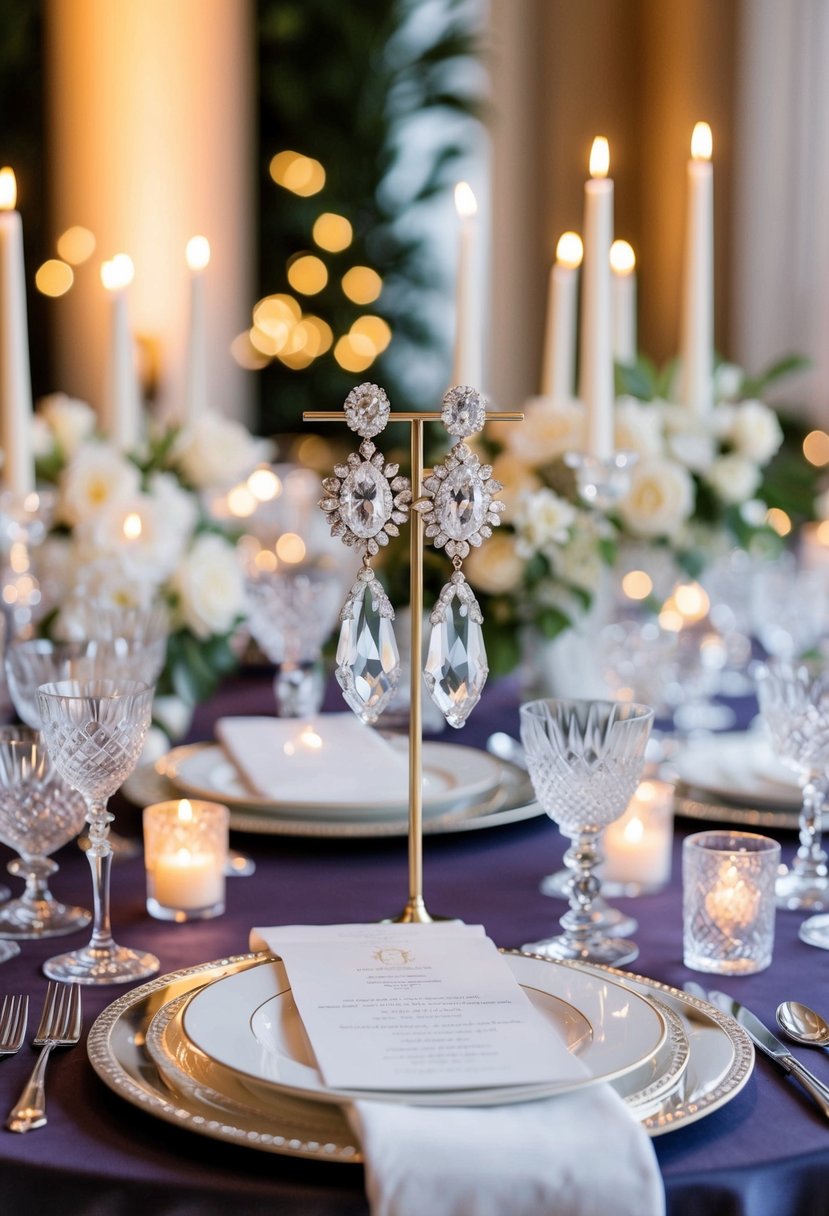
(772, 1046)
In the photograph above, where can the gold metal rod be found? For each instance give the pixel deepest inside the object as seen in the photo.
(415, 911)
(408, 416)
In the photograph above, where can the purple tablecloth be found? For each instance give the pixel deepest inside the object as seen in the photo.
(764, 1154)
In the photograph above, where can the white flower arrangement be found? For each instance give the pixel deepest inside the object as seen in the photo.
(699, 482)
(131, 528)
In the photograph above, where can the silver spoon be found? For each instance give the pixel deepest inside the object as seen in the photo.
(802, 1024)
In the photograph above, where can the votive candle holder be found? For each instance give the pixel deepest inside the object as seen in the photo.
(185, 854)
(637, 847)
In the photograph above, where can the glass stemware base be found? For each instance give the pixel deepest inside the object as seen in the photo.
(8, 950)
(815, 932)
(104, 964)
(37, 913)
(803, 890)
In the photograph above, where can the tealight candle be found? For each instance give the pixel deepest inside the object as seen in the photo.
(728, 881)
(637, 847)
(185, 847)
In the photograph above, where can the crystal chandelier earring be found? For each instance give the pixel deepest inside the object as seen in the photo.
(459, 509)
(365, 501)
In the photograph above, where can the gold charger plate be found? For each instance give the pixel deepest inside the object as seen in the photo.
(720, 1064)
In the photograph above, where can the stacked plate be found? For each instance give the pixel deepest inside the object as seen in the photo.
(220, 1049)
(464, 789)
(736, 778)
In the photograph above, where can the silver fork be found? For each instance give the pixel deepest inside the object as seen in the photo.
(60, 1026)
(14, 1014)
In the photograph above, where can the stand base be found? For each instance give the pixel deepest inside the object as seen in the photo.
(815, 932)
(98, 965)
(415, 913)
(613, 951)
(803, 892)
(23, 920)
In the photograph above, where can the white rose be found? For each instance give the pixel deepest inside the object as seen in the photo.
(638, 428)
(96, 478)
(43, 441)
(580, 563)
(755, 431)
(72, 422)
(543, 522)
(550, 428)
(689, 438)
(495, 567)
(734, 478)
(177, 506)
(150, 552)
(101, 583)
(210, 586)
(660, 498)
(728, 382)
(216, 451)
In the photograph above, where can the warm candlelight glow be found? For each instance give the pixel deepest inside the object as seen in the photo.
(54, 278)
(310, 738)
(375, 329)
(634, 830)
(300, 174)
(600, 157)
(264, 485)
(778, 521)
(332, 232)
(185, 811)
(622, 258)
(569, 250)
(637, 585)
(691, 600)
(734, 902)
(816, 448)
(361, 284)
(132, 526)
(76, 244)
(241, 502)
(117, 273)
(290, 548)
(702, 143)
(466, 204)
(198, 252)
(8, 189)
(307, 274)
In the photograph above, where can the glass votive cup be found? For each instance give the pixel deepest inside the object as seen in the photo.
(185, 854)
(637, 847)
(728, 901)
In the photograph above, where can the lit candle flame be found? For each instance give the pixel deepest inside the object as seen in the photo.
(702, 143)
(133, 526)
(634, 830)
(198, 252)
(185, 811)
(570, 250)
(600, 157)
(8, 189)
(466, 204)
(118, 273)
(622, 258)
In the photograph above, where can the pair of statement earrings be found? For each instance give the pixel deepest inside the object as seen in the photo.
(366, 501)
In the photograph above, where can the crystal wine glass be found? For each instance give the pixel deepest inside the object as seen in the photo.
(291, 612)
(585, 759)
(38, 814)
(794, 703)
(94, 730)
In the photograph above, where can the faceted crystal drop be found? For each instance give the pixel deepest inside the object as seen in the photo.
(368, 662)
(460, 503)
(365, 500)
(456, 665)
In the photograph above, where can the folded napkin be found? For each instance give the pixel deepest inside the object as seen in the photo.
(577, 1154)
(324, 758)
(580, 1154)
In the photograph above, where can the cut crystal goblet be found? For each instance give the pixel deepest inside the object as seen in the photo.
(794, 703)
(94, 730)
(585, 759)
(38, 814)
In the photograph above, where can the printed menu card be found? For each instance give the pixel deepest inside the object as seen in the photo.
(400, 1007)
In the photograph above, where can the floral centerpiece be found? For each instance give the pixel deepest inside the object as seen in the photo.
(701, 484)
(130, 529)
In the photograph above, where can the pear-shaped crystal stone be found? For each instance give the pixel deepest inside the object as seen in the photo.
(456, 665)
(368, 661)
(460, 503)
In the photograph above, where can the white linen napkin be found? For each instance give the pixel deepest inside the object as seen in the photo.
(578, 1154)
(323, 758)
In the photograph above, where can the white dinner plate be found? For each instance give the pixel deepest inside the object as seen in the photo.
(248, 1025)
(454, 777)
(739, 765)
(720, 1064)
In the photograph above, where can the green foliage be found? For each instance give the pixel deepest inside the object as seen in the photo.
(338, 87)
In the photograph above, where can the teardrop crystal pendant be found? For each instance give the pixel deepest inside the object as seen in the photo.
(368, 661)
(456, 665)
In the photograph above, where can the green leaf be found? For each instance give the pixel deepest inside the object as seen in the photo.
(756, 386)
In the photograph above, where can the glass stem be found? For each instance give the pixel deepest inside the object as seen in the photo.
(581, 859)
(100, 861)
(35, 871)
(810, 860)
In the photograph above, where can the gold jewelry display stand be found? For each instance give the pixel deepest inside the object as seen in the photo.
(415, 911)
